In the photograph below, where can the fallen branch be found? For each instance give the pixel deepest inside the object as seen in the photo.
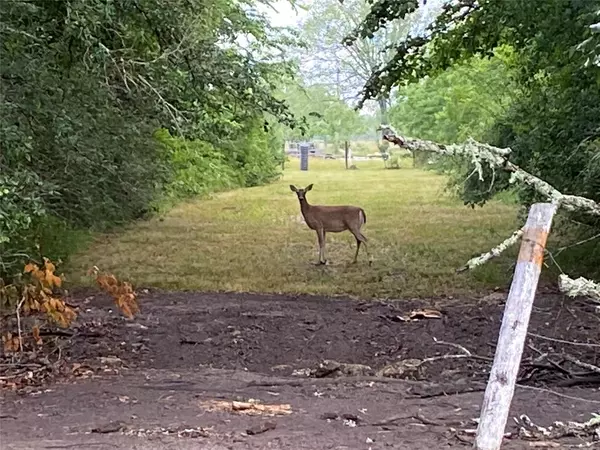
(582, 364)
(530, 431)
(497, 158)
(336, 380)
(558, 394)
(445, 393)
(561, 341)
(579, 287)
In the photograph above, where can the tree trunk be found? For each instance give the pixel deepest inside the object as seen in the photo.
(383, 109)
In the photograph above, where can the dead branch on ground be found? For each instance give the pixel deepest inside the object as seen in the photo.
(582, 364)
(561, 341)
(530, 431)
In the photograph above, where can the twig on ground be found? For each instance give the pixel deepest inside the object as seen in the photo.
(21, 372)
(438, 358)
(579, 380)
(189, 341)
(418, 416)
(335, 380)
(425, 420)
(390, 420)
(558, 394)
(444, 393)
(452, 344)
(561, 341)
(581, 364)
(57, 333)
(14, 375)
(544, 356)
(22, 365)
(465, 353)
(19, 324)
(79, 445)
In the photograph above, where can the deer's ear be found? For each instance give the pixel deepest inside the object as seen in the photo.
(293, 188)
(309, 187)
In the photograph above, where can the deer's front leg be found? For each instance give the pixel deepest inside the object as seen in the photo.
(321, 238)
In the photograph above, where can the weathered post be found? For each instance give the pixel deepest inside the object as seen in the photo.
(501, 384)
(346, 153)
(304, 156)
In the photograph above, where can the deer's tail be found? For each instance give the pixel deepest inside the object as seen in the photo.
(363, 216)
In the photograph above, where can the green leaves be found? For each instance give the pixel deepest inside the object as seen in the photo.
(85, 83)
(545, 105)
(325, 114)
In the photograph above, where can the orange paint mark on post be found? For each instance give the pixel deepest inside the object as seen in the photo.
(533, 245)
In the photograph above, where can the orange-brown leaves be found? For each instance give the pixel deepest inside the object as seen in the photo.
(11, 344)
(39, 297)
(44, 275)
(35, 332)
(121, 291)
(35, 295)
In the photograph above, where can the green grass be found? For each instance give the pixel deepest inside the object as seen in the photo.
(253, 240)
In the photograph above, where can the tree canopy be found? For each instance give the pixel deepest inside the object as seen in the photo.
(86, 84)
(553, 126)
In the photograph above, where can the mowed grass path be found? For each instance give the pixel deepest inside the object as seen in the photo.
(254, 240)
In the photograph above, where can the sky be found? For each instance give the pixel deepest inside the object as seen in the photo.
(284, 16)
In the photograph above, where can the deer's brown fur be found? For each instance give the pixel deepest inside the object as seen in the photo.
(334, 219)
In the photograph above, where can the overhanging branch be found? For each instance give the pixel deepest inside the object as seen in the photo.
(497, 158)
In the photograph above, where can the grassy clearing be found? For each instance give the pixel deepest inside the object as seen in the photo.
(254, 240)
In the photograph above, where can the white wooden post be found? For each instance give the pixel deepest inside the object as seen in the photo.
(501, 384)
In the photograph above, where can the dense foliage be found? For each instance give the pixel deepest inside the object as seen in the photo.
(545, 101)
(464, 101)
(553, 125)
(86, 84)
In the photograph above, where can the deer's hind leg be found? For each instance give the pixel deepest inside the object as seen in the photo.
(360, 239)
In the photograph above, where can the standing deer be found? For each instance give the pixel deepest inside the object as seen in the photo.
(334, 219)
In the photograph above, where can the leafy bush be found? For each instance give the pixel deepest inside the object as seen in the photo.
(196, 167)
(86, 83)
(258, 155)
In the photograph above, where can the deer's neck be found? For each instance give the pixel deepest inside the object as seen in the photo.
(304, 206)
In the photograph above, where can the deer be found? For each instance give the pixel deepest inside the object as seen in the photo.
(333, 219)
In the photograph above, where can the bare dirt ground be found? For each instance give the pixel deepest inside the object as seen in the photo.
(156, 382)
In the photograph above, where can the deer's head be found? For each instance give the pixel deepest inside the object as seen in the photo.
(301, 193)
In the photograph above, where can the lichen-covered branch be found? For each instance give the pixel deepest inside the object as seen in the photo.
(581, 287)
(485, 257)
(495, 158)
